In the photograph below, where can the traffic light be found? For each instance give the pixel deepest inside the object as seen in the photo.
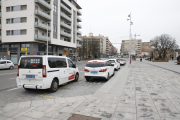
(8, 52)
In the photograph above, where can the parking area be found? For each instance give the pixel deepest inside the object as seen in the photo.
(13, 94)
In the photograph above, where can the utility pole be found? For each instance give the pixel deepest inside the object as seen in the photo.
(130, 41)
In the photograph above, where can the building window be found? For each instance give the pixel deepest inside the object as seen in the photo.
(50, 48)
(55, 29)
(13, 45)
(54, 8)
(16, 20)
(16, 32)
(16, 8)
(41, 47)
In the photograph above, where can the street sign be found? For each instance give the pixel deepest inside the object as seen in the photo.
(8, 52)
(38, 53)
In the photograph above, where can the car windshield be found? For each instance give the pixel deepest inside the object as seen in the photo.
(95, 64)
(31, 63)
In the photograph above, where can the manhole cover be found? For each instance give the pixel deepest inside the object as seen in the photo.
(82, 117)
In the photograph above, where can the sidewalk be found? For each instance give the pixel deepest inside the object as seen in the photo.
(171, 65)
(137, 92)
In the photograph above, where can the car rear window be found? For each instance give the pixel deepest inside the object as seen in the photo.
(95, 64)
(112, 61)
(31, 62)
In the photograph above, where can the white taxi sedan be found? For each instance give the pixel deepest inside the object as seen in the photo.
(5, 64)
(98, 69)
(116, 63)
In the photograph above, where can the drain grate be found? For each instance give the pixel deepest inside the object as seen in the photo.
(82, 117)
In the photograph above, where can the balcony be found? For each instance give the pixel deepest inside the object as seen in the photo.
(42, 38)
(78, 45)
(42, 26)
(43, 4)
(79, 32)
(66, 25)
(65, 34)
(79, 26)
(79, 39)
(65, 16)
(3, 49)
(66, 9)
(79, 12)
(42, 15)
(79, 19)
(13, 49)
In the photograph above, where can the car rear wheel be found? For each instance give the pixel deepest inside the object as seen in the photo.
(11, 67)
(54, 86)
(76, 77)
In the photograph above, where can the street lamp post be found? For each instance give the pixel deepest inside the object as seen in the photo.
(130, 42)
(47, 39)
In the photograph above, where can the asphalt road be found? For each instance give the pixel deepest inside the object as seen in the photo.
(10, 93)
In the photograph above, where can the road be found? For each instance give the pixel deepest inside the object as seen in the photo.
(10, 93)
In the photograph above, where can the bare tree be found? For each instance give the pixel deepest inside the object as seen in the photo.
(164, 44)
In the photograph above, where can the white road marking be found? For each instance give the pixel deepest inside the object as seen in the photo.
(12, 89)
(8, 73)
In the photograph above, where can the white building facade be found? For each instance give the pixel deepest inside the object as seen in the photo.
(24, 26)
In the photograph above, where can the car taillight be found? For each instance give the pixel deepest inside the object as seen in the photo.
(103, 70)
(44, 71)
(121, 60)
(86, 70)
(18, 71)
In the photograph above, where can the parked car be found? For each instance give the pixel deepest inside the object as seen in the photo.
(45, 72)
(178, 59)
(6, 64)
(98, 69)
(115, 63)
(122, 61)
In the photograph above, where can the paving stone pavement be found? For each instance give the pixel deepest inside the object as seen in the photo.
(139, 92)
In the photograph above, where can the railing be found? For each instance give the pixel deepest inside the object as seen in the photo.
(42, 25)
(79, 38)
(65, 25)
(13, 48)
(79, 18)
(78, 45)
(65, 34)
(79, 25)
(45, 3)
(43, 14)
(3, 49)
(79, 12)
(42, 37)
(68, 10)
(79, 32)
(65, 16)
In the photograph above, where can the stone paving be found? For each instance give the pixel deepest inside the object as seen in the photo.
(146, 93)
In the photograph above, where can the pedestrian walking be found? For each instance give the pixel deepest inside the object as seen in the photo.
(140, 59)
(172, 58)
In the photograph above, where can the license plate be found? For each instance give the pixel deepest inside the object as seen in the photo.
(30, 76)
(94, 72)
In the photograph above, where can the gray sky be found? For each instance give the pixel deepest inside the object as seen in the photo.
(150, 18)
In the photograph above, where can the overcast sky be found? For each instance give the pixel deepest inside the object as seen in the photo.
(150, 18)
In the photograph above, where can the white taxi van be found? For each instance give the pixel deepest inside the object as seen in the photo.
(98, 69)
(45, 72)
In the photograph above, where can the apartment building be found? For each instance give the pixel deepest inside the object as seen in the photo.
(27, 25)
(92, 46)
(135, 45)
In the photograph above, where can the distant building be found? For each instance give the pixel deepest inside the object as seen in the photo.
(135, 45)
